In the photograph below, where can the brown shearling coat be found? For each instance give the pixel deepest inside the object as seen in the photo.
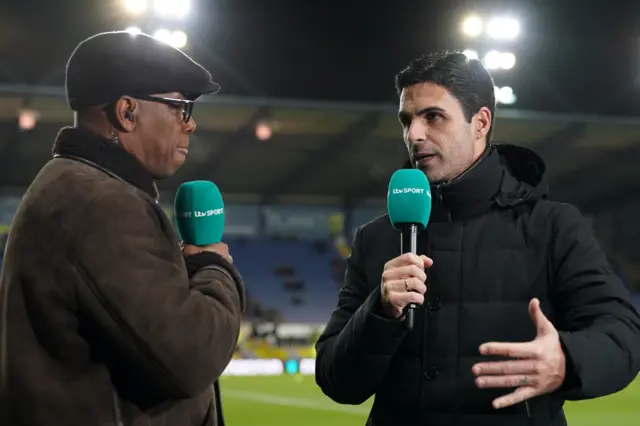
(102, 319)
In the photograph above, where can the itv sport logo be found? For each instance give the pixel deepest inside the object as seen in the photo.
(202, 213)
(400, 191)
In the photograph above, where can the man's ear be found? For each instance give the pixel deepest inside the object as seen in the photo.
(124, 114)
(482, 123)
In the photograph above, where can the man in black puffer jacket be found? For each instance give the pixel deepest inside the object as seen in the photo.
(520, 309)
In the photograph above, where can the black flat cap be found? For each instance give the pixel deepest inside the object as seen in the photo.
(109, 65)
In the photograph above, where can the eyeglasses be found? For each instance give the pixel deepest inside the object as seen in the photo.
(185, 105)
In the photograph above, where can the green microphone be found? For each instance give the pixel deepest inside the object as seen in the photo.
(199, 213)
(409, 207)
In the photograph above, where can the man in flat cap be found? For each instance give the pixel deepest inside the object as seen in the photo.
(104, 320)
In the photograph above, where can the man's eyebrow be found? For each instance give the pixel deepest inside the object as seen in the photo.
(404, 114)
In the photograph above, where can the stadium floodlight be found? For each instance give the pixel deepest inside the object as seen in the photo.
(507, 60)
(505, 95)
(135, 7)
(503, 28)
(472, 26)
(163, 35)
(172, 9)
(176, 39)
(179, 39)
(495, 60)
(471, 54)
(134, 31)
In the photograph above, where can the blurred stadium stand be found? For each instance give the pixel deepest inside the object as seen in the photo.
(294, 198)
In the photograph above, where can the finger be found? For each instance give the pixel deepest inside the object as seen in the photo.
(505, 368)
(543, 325)
(190, 250)
(402, 272)
(515, 397)
(428, 262)
(405, 259)
(413, 284)
(512, 381)
(513, 350)
(403, 299)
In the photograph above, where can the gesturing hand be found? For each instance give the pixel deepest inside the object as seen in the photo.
(538, 369)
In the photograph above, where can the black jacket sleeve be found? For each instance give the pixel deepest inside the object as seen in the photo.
(598, 325)
(355, 349)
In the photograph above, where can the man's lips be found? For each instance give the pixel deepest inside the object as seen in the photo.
(423, 157)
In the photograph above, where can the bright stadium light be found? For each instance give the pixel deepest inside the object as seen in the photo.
(507, 60)
(176, 39)
(179, 39)
(163, 35)
(471, 54)
(134, 31)
(505, 95)
(472, 26)
(172, 8)
(503, 28)
(135, 7)
(495, 60)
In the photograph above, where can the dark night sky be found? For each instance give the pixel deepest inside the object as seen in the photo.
(573, 56)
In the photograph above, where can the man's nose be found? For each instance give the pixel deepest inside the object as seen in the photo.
(190, 126)
(417, 132)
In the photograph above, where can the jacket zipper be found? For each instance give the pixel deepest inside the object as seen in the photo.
(439, 199)
(438, 189)
(528, 410)
(117, 414)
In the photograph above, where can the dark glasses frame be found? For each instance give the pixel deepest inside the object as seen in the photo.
(185, 104)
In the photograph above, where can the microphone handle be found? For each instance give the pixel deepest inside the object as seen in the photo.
(412, 231)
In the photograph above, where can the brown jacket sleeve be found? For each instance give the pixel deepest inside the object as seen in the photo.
(176, 335)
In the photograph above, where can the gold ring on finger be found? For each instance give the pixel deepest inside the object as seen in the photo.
(406, 284)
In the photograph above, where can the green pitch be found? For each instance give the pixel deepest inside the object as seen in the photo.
(297, 401)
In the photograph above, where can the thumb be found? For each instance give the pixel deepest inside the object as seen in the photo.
(428, 262)
(543, 325)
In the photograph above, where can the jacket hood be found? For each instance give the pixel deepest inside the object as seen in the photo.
(526, 177)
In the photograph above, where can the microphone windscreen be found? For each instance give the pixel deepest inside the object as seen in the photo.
(199, 213)
(409, 198)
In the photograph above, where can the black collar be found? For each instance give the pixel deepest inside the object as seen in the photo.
(470, 194)
(86, 146)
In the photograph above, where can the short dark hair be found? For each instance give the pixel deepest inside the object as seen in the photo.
(466, 79)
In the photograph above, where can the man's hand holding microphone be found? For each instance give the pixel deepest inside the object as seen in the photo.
(220, 248)
(403, 282)
(199, 212)
(404, 278)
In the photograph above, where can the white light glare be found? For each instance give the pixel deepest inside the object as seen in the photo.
(134, 30)
(505, 95)
(172, 8)
(135, 7)
(472, 26)
(471, 54)
(176, 39)
(503, 28)
(494, 60)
